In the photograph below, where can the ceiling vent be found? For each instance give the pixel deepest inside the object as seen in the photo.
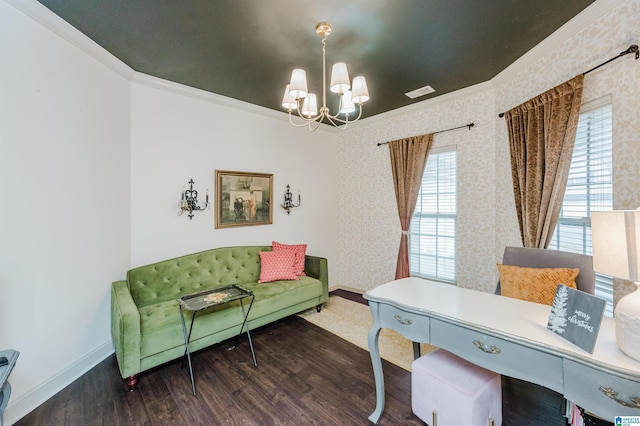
(420, 92)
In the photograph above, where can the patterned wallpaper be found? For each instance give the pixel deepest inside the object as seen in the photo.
(601, 40)
(368, 227)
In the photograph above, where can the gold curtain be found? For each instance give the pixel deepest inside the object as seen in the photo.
(542, 134)
(408, 158)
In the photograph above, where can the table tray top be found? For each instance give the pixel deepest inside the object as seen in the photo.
(214, 296)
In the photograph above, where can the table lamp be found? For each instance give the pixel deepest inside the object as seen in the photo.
(616, 252)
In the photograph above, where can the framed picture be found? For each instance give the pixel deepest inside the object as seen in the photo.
(243, 199)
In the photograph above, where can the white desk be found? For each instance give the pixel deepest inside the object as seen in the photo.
(508, 336)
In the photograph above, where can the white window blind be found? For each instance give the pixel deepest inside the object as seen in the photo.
(432, 234)
(589, 188)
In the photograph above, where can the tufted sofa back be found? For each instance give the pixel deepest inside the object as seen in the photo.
(173, 278)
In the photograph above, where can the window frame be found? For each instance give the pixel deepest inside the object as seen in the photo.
(603, 283)
(439, 258)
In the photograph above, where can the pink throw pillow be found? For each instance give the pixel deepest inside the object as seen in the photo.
(277, 265)
(299, 250)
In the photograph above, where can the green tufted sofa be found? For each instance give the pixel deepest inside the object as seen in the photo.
(145, 317)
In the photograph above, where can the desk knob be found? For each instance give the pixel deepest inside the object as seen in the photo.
(485, 348)
(635, 400)
(402, 321)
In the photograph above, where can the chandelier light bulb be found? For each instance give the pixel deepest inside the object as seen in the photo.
(288, 101)
(310, 106)
(360, 92)
(298, 86)
(339, 78)
(347, 104)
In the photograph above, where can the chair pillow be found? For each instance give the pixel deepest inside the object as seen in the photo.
(535, 284)
(299, 250)
(277, 265)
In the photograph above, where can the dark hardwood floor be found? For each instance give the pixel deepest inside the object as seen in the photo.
(305, 376)
(523, 403)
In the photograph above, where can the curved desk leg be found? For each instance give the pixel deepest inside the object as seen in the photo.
(376, 362)
(5, 393)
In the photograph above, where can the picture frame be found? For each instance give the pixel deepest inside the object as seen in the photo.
(243, 199)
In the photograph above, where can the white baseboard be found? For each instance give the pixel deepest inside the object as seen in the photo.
(22, 406)
(342, 287)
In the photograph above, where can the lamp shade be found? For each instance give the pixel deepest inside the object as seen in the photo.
(298, 86)
(288, 101)
(310, 105)
(339, 78)
(347, 105)
(615, 237)
(360, 92)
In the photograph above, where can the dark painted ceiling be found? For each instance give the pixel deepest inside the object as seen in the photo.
(246, 49)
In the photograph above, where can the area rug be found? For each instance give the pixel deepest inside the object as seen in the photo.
(352, 320)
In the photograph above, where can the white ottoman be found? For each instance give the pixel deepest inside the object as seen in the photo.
(446, 390)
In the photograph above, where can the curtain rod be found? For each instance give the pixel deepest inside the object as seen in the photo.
(470, 125)
(632, 49)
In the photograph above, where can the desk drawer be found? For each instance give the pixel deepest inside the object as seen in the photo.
(411, 325)
(604, 394)
(499, 355)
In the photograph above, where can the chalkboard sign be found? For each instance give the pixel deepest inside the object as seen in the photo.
(576, 316)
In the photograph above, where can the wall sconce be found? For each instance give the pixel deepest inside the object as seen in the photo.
(288, 204)
(189, 201)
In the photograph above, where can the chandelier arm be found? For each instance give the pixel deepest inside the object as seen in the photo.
(341, 125)
(314, 128)
(314, 118)
(359, 113)
(346, 120)
(307, 121)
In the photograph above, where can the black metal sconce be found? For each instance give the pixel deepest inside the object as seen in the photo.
(288, 204)
(189, 201)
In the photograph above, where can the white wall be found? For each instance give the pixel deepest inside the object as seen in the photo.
(64, 221)
(92, 167)
(177, 135)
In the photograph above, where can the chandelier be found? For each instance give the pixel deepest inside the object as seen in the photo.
(350, 94)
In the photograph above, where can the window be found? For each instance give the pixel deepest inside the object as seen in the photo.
(589, 187)
(432, 234)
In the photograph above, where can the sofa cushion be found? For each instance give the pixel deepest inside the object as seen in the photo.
(277, 265)
(535, 284)
(170, 279)
(161, 328)
(299, 249)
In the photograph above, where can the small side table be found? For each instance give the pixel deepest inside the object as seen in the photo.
(218, 296)
(5, 387)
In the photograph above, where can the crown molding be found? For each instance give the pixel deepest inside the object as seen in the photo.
(57, 25)
(589, 15)
(578, 23)
(45, 17)
(430, 103)
(192, 92)
(203, 95)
